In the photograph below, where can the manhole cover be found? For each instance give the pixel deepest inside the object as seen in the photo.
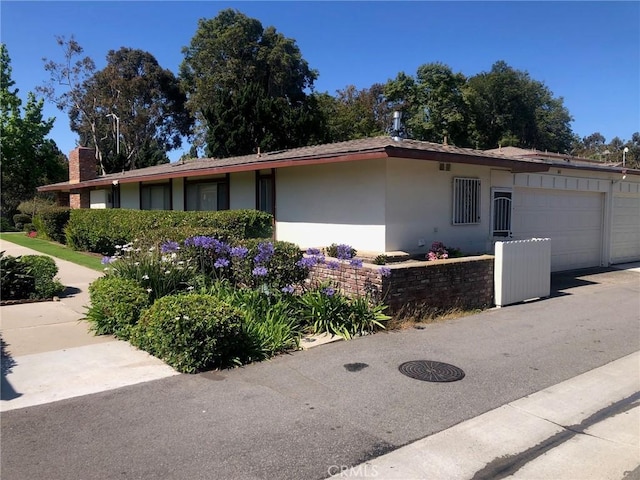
(431, 371)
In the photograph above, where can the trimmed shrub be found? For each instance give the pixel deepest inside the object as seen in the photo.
(116, 304)
(19, 220)
(43, 269)
(50, 223)
(100, 231)
(191, 332)
(16, 283)
(5, 225)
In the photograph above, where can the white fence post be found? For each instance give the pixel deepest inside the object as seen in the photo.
(522, 270)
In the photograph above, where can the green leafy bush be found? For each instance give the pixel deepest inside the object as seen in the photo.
(5, 225)
(380, 259)
(51, 222)
(191, 332)
(36, 205)
(16, 283)
(116, 304)
(19, 219)
(101, 230)
(43, 269)
(340, 251)
(282, 265)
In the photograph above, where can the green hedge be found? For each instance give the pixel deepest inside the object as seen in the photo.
(51, 222)
(100, 231)
(28, 276)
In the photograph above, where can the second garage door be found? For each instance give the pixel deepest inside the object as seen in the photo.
(573, 221)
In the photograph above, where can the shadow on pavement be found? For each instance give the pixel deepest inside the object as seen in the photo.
(7, 392)
(561, 282)
(70, 292)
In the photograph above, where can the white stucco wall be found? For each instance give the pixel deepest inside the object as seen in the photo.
(242, 191)
(419, 207)
(130, 195)
(336, 203)
(99, 199)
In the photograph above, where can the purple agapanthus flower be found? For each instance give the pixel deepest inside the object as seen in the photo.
(329, 291)
(313, 251)
(260, 272)
(333, 265)
(307, 262)
(287, 289)
(239, 252)
(344, 252)
(201, 241)
(356, 263)
(221, 262)
(384, 271)
(265, 252)
(107, 260)
(169, 247)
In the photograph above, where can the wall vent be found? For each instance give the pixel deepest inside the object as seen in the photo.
(445, 167)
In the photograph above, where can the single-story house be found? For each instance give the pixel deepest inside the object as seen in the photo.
(387, 194)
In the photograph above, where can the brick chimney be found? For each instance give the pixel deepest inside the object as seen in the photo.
(82, 165)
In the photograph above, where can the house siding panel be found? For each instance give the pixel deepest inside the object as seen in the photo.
(130, 196)
(242, 190)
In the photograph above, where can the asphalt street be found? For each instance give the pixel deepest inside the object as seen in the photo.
(299, 416)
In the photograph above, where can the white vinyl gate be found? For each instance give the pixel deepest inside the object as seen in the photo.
(522, 270)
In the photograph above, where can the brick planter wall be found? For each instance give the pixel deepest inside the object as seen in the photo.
(456, 283)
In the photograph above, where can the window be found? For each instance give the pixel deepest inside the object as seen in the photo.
(155, 197)
(115, 196)
(265, 192)
(211, 195)
(501, 212)
(466, 201)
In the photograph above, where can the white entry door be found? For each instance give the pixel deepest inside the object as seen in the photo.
(572, 220)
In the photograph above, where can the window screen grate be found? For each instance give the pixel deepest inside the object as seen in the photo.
(466, 201)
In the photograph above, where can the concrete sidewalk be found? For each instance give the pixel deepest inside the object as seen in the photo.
(49, 353)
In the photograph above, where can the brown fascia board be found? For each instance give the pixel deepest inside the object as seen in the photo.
(198, 172)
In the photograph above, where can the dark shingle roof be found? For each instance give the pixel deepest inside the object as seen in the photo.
(352, 150)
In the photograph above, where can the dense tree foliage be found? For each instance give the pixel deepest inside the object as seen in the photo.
(354, 113)
(248, 86)
(27, 158)
(595, 147)
(432, 103)
(132, 97)
(501, 107)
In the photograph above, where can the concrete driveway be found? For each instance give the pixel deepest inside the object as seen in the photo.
(48, 353)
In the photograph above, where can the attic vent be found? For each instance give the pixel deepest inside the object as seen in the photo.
(445, 167)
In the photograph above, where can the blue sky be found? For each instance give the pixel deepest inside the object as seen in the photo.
(586, 52)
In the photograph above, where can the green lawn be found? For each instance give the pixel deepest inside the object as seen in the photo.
(55, 250)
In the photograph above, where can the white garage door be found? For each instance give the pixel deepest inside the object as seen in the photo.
(625, 230)
(572, 220)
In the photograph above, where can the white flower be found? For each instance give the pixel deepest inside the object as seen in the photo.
(189, 288)
(106, 269)
(137, 263)
(180, 262)
(118, 247)
(145, 277)
(185, 317)
(149, 290)
(167, 272)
